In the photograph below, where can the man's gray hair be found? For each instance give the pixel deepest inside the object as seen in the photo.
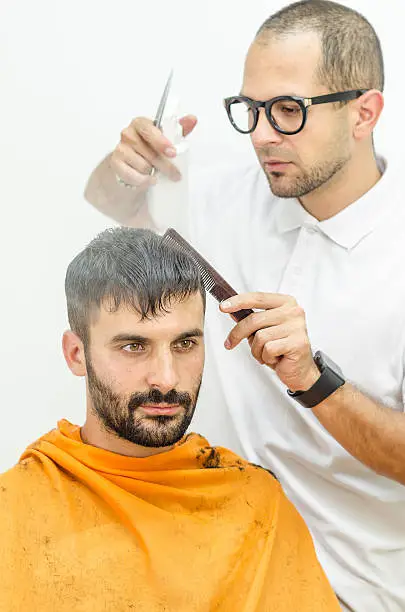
(131, 267)
(351, 51)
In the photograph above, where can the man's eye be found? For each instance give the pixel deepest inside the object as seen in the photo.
(133, 348)
(184, 345)
(290, 110)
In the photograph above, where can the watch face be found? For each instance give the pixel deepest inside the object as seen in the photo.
(323, 361)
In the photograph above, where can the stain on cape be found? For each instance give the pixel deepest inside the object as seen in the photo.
(209, 457)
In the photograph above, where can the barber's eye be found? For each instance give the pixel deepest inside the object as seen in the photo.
(290, 110)
(133, 348)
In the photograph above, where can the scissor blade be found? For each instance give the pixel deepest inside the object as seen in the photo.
(162, 103)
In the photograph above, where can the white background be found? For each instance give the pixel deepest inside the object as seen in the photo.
(72, 75)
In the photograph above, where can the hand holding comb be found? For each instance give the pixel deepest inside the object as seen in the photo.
(213, 281)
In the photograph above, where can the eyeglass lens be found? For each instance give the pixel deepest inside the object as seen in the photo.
(286, 114)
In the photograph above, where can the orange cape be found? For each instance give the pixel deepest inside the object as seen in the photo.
(194, 529)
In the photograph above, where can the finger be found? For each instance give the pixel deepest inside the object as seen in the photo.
(273, 350)
(133, 150)
(255, 300)
(264, 336)
(130, 176)
(153, 136)
(257, 355)
(253, 323)
(188, 124)
(160, 162)
(125, 153)
(256, 349)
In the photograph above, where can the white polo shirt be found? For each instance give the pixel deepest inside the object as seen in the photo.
(348, 275)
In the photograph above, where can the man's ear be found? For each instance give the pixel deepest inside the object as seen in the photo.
(368, 110)
(73, 351)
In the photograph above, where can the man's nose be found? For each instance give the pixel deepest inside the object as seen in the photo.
(265, 133)
(163, 373)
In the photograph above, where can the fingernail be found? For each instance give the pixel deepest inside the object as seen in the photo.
(227, 343)
(175, 176)
(170, 152)
(226, 304)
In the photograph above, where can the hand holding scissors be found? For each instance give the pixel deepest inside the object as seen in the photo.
(143, 148)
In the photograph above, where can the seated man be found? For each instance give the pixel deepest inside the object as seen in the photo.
(128, 512)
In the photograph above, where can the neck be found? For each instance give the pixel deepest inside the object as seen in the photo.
(94, 434)
(348, 185)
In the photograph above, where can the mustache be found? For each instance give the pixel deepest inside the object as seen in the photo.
(154, 396)
(272, 152)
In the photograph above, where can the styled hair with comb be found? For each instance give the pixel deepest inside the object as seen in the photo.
(131, 267)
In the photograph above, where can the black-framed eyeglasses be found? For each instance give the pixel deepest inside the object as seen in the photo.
(287, 114)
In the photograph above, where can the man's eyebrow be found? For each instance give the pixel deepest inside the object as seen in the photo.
(197, 332)
(291, 95)
(130, 338)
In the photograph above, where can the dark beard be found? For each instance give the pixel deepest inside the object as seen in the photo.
(119, 415)
(307, 183)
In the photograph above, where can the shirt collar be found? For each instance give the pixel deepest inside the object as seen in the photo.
(349, 226)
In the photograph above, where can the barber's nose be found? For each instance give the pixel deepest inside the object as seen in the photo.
(265, 134)
(163, 373)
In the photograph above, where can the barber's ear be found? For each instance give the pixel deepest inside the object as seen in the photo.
(73, 351)
(368, 110)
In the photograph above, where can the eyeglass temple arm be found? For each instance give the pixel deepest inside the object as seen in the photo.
(336, 97)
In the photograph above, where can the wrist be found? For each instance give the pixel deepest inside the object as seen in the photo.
(325, 382)
(308, 381)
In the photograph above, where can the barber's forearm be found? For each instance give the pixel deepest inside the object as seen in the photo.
(372, 433)
(109, 197)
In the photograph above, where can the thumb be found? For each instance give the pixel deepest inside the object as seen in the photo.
(188, 124)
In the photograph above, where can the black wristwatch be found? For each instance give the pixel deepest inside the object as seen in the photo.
(331, 378)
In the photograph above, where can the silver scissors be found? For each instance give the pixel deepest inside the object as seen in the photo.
(161, 108)
(157, 121)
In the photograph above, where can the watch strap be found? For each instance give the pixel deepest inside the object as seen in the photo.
(328, 382)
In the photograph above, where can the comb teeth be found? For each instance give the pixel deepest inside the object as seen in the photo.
(208, 281)
(212, 280)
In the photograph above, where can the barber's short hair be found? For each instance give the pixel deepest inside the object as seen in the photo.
(351, 50)
(131, 267)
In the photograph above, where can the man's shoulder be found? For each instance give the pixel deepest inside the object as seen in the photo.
(217, 456)
(262, 480)
(209, 456)
(20, 482)
(258, 485)
(24, 503)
